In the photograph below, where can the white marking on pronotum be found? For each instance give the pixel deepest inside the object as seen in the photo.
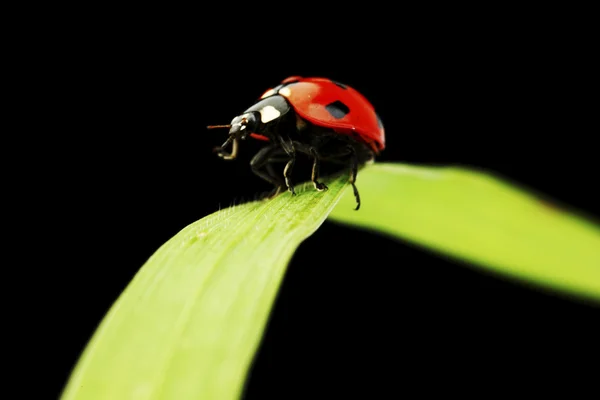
(269, 113)
(268, 93)
(285, 91)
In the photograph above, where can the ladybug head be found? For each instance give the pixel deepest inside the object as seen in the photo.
(240, 127)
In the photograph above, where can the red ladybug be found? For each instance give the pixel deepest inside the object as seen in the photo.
(322, 118)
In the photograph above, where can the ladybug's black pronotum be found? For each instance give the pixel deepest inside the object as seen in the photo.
(322, 118)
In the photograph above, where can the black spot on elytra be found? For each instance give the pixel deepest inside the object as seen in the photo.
(339, 84)
(337, 109)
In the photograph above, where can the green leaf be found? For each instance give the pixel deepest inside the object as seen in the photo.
(189, 323)
(479, 218)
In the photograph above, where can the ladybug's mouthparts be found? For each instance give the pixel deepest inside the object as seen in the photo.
(220, 150)
(234, 149)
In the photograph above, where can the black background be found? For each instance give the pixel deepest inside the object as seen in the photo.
(134, 166)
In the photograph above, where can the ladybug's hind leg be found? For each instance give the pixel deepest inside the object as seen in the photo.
(354, 173)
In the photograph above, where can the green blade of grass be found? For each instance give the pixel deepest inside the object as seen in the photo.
(189, 323)
(479, 218)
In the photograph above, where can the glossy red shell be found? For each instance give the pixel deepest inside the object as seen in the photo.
(311, 99)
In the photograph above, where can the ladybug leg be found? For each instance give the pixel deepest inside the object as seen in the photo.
(312, 152)
(287, 173)
(290, 150)
(280, 185)
(353, 173)
(315, 170)
(262, 159)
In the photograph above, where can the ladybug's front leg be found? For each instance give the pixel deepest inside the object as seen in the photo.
(262, 159)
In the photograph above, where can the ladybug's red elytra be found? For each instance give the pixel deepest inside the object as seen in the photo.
(322, 118)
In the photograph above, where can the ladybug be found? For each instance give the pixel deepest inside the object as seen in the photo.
(319, 117)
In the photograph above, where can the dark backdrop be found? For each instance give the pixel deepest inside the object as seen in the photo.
(139, 168)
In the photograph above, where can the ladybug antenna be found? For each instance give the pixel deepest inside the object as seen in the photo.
(218, 126)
